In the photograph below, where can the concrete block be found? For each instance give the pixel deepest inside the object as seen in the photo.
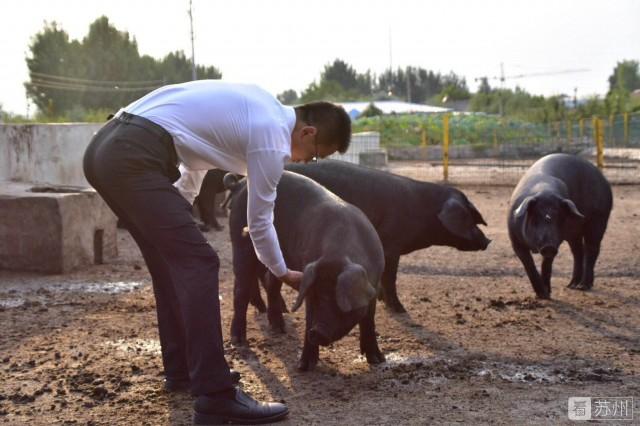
(376, 159)
(54, 229)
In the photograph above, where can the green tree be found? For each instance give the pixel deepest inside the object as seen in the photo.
(624, 80)
(53, 54)
(341, 73)
(111, 56)
(288, 97)
(102, 73)
(625, 77)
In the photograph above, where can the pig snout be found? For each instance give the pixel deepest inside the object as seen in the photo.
(484, 243)
(478, 242)
(548, 251)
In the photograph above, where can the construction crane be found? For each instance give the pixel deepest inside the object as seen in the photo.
(502, 77)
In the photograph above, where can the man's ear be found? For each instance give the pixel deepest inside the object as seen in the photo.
(308, 278)
(308, 130)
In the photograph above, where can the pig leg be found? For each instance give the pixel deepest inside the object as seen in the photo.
(274, 298)
(310, 353)
(256, 299)
(244, 269)
(240, 305)
(530, 267)
(547, 263)
(578, 262)
(592, 238)
(214, 222)
(389, 294)
(368, 342)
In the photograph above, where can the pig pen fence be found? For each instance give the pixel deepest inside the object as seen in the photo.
(462, 150)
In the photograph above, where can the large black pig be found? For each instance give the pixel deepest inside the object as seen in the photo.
(337, 249)
(212, 184)
(407, 214)
(560, 198)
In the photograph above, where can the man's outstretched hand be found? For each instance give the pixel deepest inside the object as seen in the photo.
(292, 278)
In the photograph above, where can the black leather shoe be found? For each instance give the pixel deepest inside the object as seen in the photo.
(240, 410)
(184, 385)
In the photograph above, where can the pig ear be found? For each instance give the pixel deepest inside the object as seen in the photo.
(567, 203)
(353, 290)
(308, 278)
(524, 206)
(476, 214)
(455, 217)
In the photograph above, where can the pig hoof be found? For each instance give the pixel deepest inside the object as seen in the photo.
(277, 324)
(572, 284)
(376, 358)
(583, 287)
(307, 365)
(395, 306)
(545, 296)
(238, 340)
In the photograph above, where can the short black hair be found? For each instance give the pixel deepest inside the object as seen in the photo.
(331, 120)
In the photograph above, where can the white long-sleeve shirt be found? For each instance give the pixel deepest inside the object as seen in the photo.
(236, 127)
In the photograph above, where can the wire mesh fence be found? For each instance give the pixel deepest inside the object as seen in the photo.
(477, 149)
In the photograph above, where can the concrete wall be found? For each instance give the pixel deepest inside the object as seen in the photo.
(53, 230)
(44, 153)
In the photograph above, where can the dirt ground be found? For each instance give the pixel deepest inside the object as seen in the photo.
(475, 346)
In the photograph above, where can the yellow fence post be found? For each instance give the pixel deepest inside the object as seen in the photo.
(600, 143)
(445, 146)
(626, 128)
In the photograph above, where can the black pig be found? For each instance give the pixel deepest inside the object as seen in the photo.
(407, 214)
(211, 185)
(337, 249)
(560, 198)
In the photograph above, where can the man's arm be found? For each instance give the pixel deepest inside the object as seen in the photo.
(264, 169)
(190, 182)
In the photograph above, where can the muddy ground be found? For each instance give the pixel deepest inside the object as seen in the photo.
(475, 346)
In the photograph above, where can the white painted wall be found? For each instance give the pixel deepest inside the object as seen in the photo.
(44, 153)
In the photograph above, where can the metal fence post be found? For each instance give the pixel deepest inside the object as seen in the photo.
(626, 128)
(600, 143)
(611, 135)
(445, 147)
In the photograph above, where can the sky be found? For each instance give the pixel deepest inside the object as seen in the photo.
(285, 44)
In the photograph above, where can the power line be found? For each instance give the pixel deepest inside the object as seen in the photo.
(86, 88)
(105, 82)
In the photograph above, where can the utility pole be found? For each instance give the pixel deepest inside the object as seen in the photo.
(194, 76)
(501, 89)
(390, 52)
(408, 76)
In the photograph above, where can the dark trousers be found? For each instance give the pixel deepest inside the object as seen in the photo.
(131, 163)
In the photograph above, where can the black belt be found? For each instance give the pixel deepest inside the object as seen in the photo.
(157, 130)
(136, 120)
